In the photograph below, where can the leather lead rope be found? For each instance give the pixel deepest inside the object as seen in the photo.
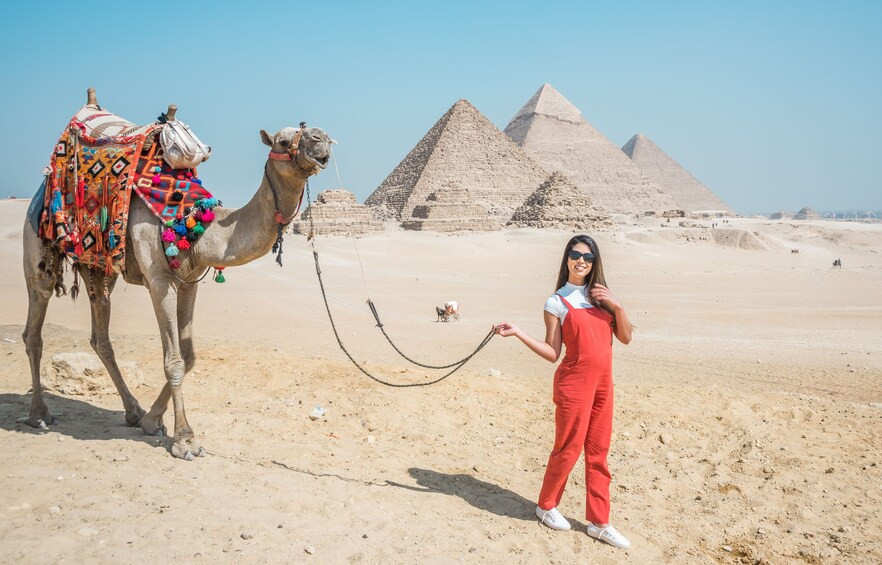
(455, 366)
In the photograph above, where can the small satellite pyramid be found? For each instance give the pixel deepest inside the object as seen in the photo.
(553, 132)
(463, 154)
(689, 194)
(558, 204)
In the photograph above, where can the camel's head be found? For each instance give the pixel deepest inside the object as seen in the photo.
(309, 148)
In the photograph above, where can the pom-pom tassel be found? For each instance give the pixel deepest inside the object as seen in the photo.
(207, 216)
(174, 263)
(183, 244)
(168, 236)
(172, 250)
(198, 230)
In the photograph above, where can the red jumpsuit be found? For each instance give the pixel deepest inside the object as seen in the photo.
(583, 397)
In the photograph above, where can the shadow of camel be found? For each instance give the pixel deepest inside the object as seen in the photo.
(480, 494)
(75, 419)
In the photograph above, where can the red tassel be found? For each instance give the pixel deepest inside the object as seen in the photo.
(183, 244)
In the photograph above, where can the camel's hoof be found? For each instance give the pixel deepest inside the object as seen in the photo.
(38, 422)
(187, 451)
(152, 427)
(159, 432)
(133, 419)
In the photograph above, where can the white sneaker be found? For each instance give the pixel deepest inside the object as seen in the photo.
(609, 535)
(553, 519)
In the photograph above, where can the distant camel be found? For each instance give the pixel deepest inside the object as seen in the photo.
(236, 237)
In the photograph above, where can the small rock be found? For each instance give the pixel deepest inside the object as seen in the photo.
(829, 470)
(494, 372)
(246, 535)
(363, 536)
(767, 470)
(665, 438)
(626, 434)
(844, 529)
(761, 531)
(476, 468)
(370, 439)
(727, 548)
(55, 509)
(120, 458)
(60, 438)
(316, 413)
(309, 549)
(473, 549)
(59, 478)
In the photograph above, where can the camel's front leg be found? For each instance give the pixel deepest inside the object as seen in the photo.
(165, 303)
(152, 422)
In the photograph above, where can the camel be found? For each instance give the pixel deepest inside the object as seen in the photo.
(236, 237)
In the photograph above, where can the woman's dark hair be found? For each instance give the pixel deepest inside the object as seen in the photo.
(594, 277)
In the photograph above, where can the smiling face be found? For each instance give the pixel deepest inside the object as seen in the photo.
(579, 268)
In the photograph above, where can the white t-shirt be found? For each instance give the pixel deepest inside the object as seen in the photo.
(574, 294)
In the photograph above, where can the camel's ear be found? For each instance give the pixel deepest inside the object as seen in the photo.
(266, 138)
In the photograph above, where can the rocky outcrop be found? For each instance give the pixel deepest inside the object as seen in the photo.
(83, 374)
(690, 194)
(336, 212)
(553, 132)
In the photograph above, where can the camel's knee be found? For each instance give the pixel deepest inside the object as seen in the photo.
(174, 371)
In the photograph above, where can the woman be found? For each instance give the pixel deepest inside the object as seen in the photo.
(584, 315)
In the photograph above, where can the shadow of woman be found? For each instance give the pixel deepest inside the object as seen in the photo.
(480, 494)
(75, 419)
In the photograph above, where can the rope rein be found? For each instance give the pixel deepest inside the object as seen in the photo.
(318, 271)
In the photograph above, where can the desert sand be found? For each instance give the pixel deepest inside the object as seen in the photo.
(748, 423)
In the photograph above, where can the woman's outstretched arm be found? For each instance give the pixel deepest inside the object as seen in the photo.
(548, 349)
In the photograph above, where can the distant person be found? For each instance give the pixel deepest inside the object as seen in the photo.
(583, 315)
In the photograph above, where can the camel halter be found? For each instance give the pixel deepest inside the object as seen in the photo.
(282, 221)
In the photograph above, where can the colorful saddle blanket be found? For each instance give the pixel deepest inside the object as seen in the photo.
(98, 163)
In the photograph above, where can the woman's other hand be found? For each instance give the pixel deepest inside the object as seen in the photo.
(602, 294)
(505, 329)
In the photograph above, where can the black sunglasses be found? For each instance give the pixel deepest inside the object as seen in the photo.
(574, 255)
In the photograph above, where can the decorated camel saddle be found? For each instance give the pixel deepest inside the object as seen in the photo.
(99, 162)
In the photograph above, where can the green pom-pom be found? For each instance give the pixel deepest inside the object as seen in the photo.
(169, 223)
(198, 229)
(219, 278)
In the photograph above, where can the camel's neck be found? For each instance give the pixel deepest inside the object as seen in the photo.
(239, 236)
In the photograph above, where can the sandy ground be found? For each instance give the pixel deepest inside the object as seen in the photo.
(748, 423)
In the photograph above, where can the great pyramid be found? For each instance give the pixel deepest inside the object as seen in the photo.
(463, 151)
(554, 133)
(558, 204)
(335, 212)
(689, 194)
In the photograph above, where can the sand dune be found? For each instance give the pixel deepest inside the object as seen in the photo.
(747, 424)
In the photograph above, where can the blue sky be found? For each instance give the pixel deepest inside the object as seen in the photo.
(773, 105)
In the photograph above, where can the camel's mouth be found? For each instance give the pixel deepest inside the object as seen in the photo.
(321, 163)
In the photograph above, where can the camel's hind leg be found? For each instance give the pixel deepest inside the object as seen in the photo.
(99, 287)
(151, 423)
(41, 279)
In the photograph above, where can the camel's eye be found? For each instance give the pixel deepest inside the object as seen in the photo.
(284, 143)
